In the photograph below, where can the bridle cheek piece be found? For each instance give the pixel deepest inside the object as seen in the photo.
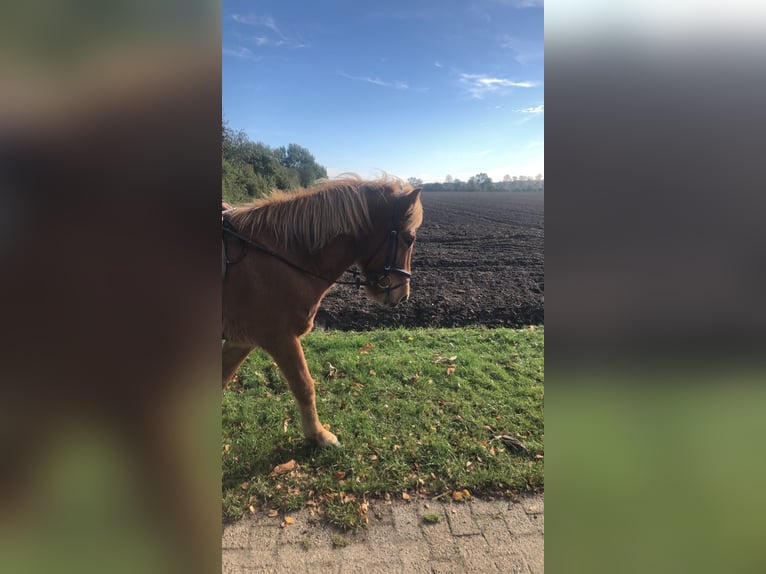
(383, 276)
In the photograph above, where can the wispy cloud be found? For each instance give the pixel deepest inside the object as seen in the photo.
(438, 64)
(270, 34)
(241, 52)
(522, 3)
(397, 85)
(479, 86)
(533, 110)
(524, 51)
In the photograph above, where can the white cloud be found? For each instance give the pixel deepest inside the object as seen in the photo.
(275, 36)
(480, 85)
(241, 52)
(397, 84)
(533, 110)
(438, 64)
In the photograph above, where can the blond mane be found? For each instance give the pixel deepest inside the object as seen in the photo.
(311, 218)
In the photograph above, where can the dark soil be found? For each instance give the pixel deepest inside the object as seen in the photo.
(479, 260)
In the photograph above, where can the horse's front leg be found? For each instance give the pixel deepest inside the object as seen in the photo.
(232, 357)
(289, 356)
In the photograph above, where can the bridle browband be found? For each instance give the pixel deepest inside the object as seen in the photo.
(382, 278)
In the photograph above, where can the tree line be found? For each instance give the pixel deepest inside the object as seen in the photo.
(252, 169)
(482, 182)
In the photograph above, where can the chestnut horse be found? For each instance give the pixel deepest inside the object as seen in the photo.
(284, 253)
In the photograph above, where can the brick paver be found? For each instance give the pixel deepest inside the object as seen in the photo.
(472, 536)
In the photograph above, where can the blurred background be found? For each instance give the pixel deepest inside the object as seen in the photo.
(655, 271)
(109, 188)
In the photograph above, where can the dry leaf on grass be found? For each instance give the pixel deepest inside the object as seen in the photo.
(283, 468)
(405, 496)
(365, 350)
(272, 513)
(511, 442)
(286, 521)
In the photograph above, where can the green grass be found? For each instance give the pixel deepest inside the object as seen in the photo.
(415, 411)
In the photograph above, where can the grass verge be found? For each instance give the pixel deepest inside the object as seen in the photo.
(415, 411)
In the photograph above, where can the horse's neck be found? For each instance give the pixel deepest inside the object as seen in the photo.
(336, 257)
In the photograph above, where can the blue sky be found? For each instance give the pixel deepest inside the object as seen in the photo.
(413, 88)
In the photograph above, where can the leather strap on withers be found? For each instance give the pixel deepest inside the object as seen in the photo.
(228, 227)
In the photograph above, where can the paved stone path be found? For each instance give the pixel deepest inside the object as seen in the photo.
(473, 536)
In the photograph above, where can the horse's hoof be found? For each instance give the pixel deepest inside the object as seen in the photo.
(327, 440)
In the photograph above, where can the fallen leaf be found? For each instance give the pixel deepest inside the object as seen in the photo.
(373, 373)
(289, 519)
(511, 442)
(373, 457)
(285, 423)
(365, 350)
(457, 496)
(405, 496)
(539, 456)
(226, 448)
(450, 370)
(272, 513)
(251, 508)
(244, 485)
(283, 468)
(340, 474)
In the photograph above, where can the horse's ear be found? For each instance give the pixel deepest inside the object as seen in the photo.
(406, 201)
(412, 196)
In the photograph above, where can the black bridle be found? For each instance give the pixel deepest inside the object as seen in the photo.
(382, 275)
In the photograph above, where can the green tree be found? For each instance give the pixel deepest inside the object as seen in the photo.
(252, 169)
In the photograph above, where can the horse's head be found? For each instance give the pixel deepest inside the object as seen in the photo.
(387, 269)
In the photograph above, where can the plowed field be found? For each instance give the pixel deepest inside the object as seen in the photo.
(479, 260)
